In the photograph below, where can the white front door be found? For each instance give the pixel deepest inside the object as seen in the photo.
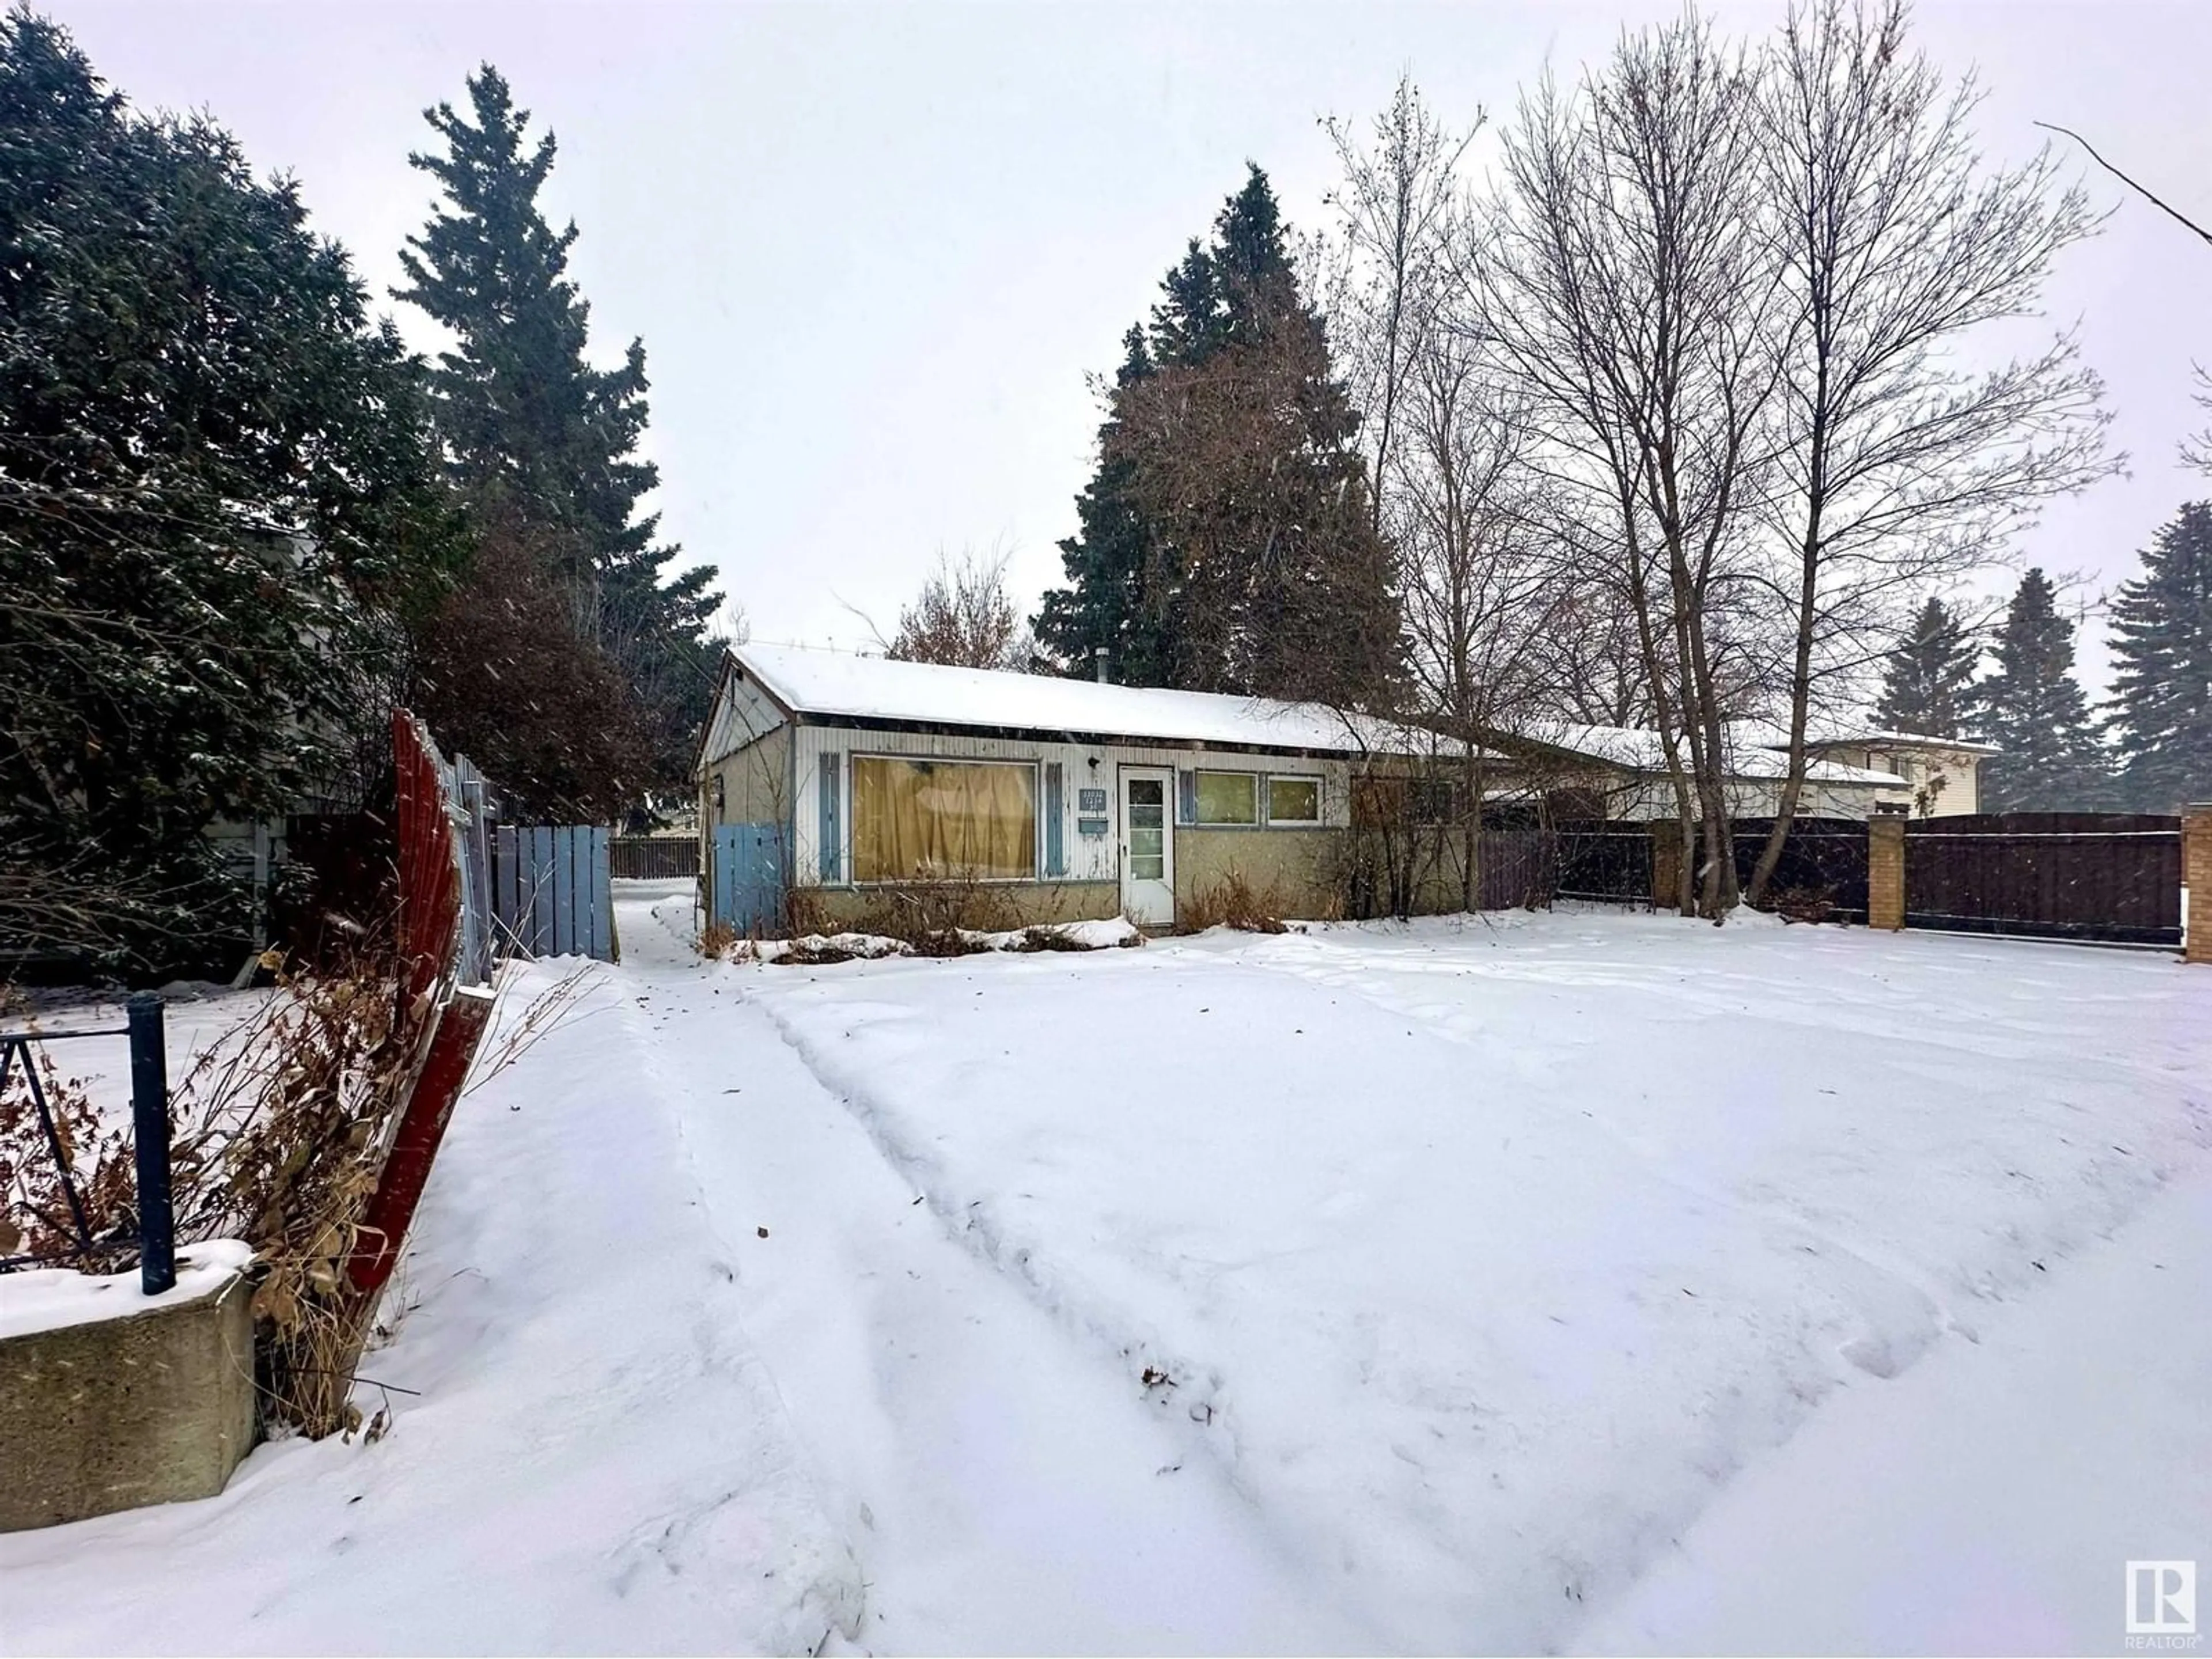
(1147, 847)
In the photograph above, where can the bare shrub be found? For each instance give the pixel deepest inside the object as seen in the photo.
(931, 916)
(1058, 938)
(291, 1114)
(36, 1215)
(1805, 903)
(715, 939)
(807, 910)
(816, 951)
(1232, 902)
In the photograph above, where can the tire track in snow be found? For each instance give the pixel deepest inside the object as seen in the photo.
(846, 1597)
(1003, 1490)
(974, 1225)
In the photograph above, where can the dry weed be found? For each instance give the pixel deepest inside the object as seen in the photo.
(38, 1219)
(930, 917)
(1232, 902)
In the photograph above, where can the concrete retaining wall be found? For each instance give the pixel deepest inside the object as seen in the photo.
(152, 1406)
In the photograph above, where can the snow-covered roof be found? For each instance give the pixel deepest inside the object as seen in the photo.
(1829, 735)
(1750, 756)
(840, 686)
(838, 683)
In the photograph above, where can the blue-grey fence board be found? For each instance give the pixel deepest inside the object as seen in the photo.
(748, 875)
(552, 891)
(605, 947)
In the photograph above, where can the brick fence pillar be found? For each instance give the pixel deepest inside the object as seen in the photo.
(2196, 876)
(1886, 872)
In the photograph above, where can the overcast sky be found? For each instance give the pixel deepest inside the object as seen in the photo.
(875, 250)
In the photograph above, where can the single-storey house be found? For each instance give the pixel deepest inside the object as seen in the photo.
(1079, 800)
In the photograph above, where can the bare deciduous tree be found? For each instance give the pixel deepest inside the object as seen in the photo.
(1896, 469)
(1622, 278)
(1394, 207)
(1479, 586)
(963, 618)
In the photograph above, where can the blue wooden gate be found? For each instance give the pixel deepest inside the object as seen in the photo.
(746, 883)
(550, 891)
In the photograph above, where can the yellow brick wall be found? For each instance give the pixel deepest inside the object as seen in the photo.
(1886, 873)
(2196, 876)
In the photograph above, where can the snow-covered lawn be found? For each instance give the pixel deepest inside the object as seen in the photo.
(1534, 1283)
(1483, 1257)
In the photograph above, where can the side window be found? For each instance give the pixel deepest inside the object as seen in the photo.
(1228, 797)
(1293, 800)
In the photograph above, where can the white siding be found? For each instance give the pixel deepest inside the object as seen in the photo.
(742, 713)
(1921, 763)
(1758, 798)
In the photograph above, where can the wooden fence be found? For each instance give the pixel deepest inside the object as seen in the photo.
(1610, 862)
(2098, 876)
(551, 890)
(744, 885)
(1517, 867)
(653, 858)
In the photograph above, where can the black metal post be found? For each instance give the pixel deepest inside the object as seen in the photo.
(149, 1118)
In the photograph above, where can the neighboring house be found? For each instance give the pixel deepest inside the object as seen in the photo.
(1942, 774)
(1080, 800)
(1836, 786)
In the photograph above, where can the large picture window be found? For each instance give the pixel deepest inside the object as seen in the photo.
(1228, 797)
(916, 820)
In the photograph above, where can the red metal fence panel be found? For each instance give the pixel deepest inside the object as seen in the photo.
(432, 889)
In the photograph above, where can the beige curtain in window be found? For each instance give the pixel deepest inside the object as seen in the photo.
(930, 820)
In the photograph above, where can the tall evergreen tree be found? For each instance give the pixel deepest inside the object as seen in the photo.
(545, 444)
(1226, 542)
(2162, 693)
(2033, 709)
(1105, 607)
(218, 493)
(1929, 688)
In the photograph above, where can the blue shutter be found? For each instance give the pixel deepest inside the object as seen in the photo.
(1185, 797)
(1055, 856)
(828, 842)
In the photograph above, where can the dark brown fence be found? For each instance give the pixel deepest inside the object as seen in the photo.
(654, 857)
(1824, 861)
(1516, 869)
(2105, 876)
(1607, 861)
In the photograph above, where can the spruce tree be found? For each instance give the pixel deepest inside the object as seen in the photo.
(1226, 540)
(1929, 688)
(2033, 709)
(1104, 607)
(545, 444)
(2162, 692)
(219, 498)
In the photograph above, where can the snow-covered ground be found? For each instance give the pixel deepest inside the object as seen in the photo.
(1597, 1281)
